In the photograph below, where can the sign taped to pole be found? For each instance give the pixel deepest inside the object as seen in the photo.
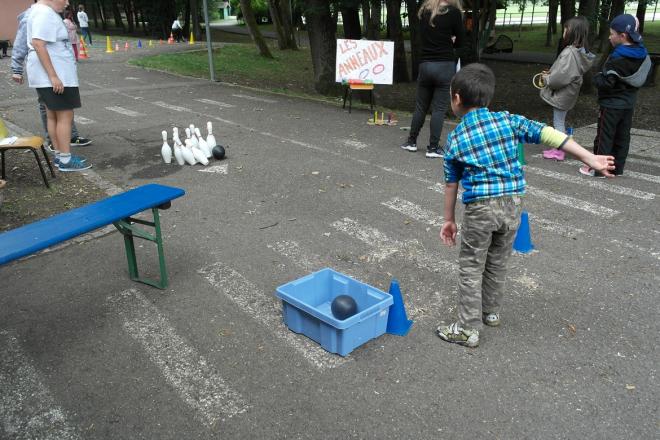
(364, 61)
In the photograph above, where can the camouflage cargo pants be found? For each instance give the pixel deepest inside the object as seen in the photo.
(489, 228)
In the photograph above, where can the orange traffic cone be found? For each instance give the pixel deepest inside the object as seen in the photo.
(126, 46)
(171, 39)
(83, 50)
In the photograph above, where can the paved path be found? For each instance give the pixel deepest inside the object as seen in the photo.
(85, 353)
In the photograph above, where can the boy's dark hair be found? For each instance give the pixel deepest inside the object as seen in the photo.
(577, 32)
(475, 84)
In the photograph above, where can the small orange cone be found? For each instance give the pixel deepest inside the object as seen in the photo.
(161, 41)
(116, 47)
(171, 39)
(126, 47)
(83, 50)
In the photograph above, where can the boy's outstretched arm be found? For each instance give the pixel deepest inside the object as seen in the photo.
(557, 139)
(449, 228)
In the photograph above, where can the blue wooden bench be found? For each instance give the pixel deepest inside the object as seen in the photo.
(117, 210)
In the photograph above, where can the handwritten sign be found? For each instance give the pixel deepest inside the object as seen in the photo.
(364, 61)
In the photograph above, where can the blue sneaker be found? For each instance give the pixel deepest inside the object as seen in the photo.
(56, 161)
(75, 164)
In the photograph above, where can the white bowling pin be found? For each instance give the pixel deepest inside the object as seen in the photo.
(202, 143)
(166, 150)
(187, 153)
(192, 137)
(210, 139)
(178, 155)
(199, 155)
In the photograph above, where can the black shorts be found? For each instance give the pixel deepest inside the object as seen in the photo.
(68, 100)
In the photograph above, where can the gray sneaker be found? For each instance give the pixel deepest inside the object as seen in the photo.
(491, 319)
(458, 335)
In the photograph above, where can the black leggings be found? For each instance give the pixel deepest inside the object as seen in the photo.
(613, 135)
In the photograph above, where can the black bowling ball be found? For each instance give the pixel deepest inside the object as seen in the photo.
(218, 152)
(343, 307)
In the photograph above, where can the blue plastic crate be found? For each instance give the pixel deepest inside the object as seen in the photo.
(306, 309)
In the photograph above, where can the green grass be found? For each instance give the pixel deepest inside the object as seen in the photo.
(532, 38)
(237, 61)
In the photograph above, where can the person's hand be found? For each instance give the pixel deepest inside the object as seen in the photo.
(602, 164)
(17, 78)
(58, 86)
(448, 233)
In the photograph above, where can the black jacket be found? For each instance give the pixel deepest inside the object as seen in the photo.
(619, 80)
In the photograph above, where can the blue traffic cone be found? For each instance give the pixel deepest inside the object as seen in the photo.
(523, 241)
(397, 320)
(139, 45)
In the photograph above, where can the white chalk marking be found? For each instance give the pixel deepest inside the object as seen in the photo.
(292, 250)
(572, 202)
(254, 98)
(175, 108)
(633, 174)
(384, 246)
(82, 120)
(132, 78)
(218, 169)
(354, 144)
(192, 376)
(266, 309)
(558, 228)
(414, 211)
(27, 408)
(124, 111)
(594, 183)
(212, 102)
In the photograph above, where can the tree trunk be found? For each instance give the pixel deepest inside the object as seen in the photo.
(552, 21)
(415, 37)
(194, 14)
(366, 16)
(641, 13)
(255, 33)
(373, 30)
(322, 30)
(117, 15)
(351, 17)
(395, 30)
(281, 15)
(186, 20)
(128, 11)
(567, 10)
(92, 11)
(588, 10)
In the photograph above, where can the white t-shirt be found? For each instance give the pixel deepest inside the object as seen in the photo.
(82, 19)
(46, 24)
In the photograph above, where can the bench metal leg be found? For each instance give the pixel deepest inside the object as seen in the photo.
(41, 168)
(50, 166)
(345, 95)
(129, 230)
(3, 164)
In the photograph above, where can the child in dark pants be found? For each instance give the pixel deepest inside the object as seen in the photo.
(624, 72)
(482, 153)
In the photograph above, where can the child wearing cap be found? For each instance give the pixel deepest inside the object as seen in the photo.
(624, 71)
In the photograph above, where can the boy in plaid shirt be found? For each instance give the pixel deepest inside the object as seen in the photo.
(482, 153)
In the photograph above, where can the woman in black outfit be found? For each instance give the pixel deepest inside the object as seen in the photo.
(441, 28)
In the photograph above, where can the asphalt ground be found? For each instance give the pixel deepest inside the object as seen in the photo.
(86, 353)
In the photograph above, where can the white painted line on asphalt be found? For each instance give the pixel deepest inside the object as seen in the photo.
(562, 229)
(191, 375)
(266, 309)
(217, 169)
(592, 208)
(212, 102)
(652, 253)
(382, 244)
(633, 174)
(594, 183)
(292, 250)
(82, 120)
(175, 108)
(27, 408)
(414, 211)
(254, 98)
(353, 144)
(124, 111)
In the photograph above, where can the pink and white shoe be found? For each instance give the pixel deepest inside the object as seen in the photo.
(554, 153)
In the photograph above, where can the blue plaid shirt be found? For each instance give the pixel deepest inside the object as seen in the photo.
(482, 152)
